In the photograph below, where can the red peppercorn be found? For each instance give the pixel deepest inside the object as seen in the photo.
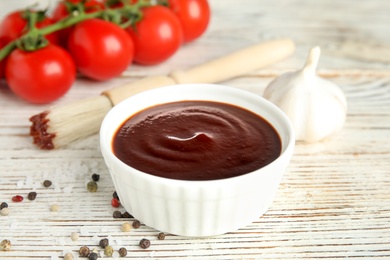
(17, 198)
(115, 202)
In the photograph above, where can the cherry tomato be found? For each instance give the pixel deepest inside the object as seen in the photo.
(60, 12)
(40, 76)
(157, 36)
(101, 50)
(14, 25)
(194, 16)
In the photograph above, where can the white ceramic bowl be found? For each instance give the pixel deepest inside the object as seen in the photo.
(196, 208)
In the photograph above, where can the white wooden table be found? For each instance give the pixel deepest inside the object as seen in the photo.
(334, 200)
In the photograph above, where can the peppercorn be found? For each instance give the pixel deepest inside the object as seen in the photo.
(122, 252)
(74, 236)
(103, 243)
(92, 186)
(108, 250)
(115, 202)
(144, 243)
(32, 195)
(17, 198)
(161, 236)
(127, 215)
(47, 183)
(54, 208)
(5, 245)
(126, 227)
(115, 195)
(117, 214)
(4, 212)
(136, 224)
(93, 256)
(84, 251)
(68, 256)
(3, 205)
(95, 177)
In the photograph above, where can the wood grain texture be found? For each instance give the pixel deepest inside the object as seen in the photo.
(334, 199)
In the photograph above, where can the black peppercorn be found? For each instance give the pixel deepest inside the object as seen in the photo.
(95, 177)
(32, 195)
(115, 195)
(161, 236)
(47, 183)
(93, 256)
(84, 251)
(116, 214)
(3, 205)
(144, 243)
(136, 224)
(103, 243)
(122, 252)
(127, 215)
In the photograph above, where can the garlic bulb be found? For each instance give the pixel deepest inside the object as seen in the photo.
(316, 107)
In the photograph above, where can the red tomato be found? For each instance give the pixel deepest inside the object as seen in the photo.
(101, 50)
(40, 76)
(14, 25)
(60, 12)
(194, 16)
(157, 36)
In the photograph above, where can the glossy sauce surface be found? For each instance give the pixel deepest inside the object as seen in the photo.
(196, 140)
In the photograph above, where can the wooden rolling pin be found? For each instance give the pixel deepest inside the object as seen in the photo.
(61, 125)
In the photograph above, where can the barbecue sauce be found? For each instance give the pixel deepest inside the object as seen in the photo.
(196, 140)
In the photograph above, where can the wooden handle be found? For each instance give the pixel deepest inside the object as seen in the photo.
(237, 63)
(230, 66)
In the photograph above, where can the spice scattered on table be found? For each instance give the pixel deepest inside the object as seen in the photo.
(3, 205)
(55, 208)
(136, 224)
(104, 242)
(4, 211)
(126, 227)
(144, 243)
(161, 236)
(5, 245)
(84, 251)
(93, 256)
(17, 198)
(127, 215)
(108, 250)
(32, 195)
(68, 256)
(115, 202)
(47, 183)
(95, 177)
(74, 236)
(92, 186)
(122, 252)
(115, 195)
(117, 214)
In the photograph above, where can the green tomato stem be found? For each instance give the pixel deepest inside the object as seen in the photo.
(73, 19)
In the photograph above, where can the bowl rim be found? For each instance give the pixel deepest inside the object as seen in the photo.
(106, 142)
